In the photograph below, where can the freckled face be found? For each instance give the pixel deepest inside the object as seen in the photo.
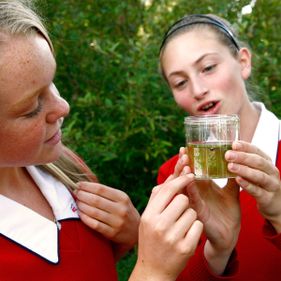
(205, 78)
(31, 109)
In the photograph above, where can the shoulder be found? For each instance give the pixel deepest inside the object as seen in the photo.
(166, 169)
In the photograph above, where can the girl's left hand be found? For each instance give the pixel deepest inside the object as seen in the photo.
(110, 212)
(257, 175)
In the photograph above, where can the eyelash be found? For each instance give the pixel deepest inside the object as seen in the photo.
(180, 84)
(206, 69)
(209, 68)
(36, 111)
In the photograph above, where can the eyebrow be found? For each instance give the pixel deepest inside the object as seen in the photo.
(26, 100)
(24, 103)
(194, 63)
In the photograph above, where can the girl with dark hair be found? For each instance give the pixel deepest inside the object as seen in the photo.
(206, 68)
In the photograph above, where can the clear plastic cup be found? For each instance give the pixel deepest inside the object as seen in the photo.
(208, 137)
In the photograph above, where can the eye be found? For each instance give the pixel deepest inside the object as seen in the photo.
(180, 84)
(35, 111)
(209, 68)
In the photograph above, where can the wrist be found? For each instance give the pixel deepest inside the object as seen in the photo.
(141, 272)
(119, 250)
(276, 224)
(217, 259)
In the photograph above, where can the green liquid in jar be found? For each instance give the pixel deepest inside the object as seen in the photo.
(207, 159)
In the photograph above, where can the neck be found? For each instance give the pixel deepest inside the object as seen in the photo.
(249, 117)
(17, 184)
(12, 176)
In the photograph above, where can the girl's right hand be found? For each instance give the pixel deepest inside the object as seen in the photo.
(168, 234)
(219, 211)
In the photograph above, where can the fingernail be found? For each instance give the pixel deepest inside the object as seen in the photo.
(237, 145)
(243, 183)
(230, 155)
(232, 167)
(185, 170)
(190, 175)
(184, 158)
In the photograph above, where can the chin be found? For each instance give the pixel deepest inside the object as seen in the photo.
(51, 157)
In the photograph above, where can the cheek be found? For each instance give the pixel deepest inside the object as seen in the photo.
(183, 101)
(228, 82)
(19, 145)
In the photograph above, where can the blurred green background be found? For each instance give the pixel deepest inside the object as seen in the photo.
(124, 122)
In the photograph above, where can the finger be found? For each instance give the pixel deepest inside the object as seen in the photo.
(182, 161)
(97, 201)
(249, 148)
(95, 213)
(182, 151)
(101, 227)
(252, 189)
(184, 223)
(104, 191)
(256, 177)
(192, 237)
(186, 170)
(154, 191)
(253, 161)
(175, 209)
(167, 191)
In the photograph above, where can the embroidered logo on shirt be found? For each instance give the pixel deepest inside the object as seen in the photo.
(73, 208)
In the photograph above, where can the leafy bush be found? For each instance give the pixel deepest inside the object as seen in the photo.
(124, 122)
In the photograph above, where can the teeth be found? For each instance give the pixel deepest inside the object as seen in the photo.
(209, 105)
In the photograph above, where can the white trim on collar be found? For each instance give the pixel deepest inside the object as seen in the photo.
(31, 230)
(55, 192)
(266, 135)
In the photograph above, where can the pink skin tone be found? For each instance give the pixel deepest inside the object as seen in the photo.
(31, 115)
(208, 77)
(169, 232)
(110, 212)
(31, 109)
(205, 78)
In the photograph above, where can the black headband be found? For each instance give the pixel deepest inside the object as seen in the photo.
(205, 19)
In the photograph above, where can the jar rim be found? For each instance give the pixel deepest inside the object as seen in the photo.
(211, 118)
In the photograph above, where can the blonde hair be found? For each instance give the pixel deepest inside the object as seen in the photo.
(18, 17)
(70, 169)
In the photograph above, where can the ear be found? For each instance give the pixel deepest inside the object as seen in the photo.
(245, 60)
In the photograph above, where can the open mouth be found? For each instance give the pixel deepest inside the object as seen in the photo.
(209, 107)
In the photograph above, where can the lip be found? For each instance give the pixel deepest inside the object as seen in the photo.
(56, 138)
(212, 110)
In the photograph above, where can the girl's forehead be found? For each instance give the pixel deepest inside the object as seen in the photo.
(196, 36)
(25, 52)
(191, 44)
(26, 63)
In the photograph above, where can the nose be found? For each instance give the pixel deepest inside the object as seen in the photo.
(198, 87)
(58, 107)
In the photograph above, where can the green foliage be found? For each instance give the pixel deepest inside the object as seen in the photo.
(124, 122)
